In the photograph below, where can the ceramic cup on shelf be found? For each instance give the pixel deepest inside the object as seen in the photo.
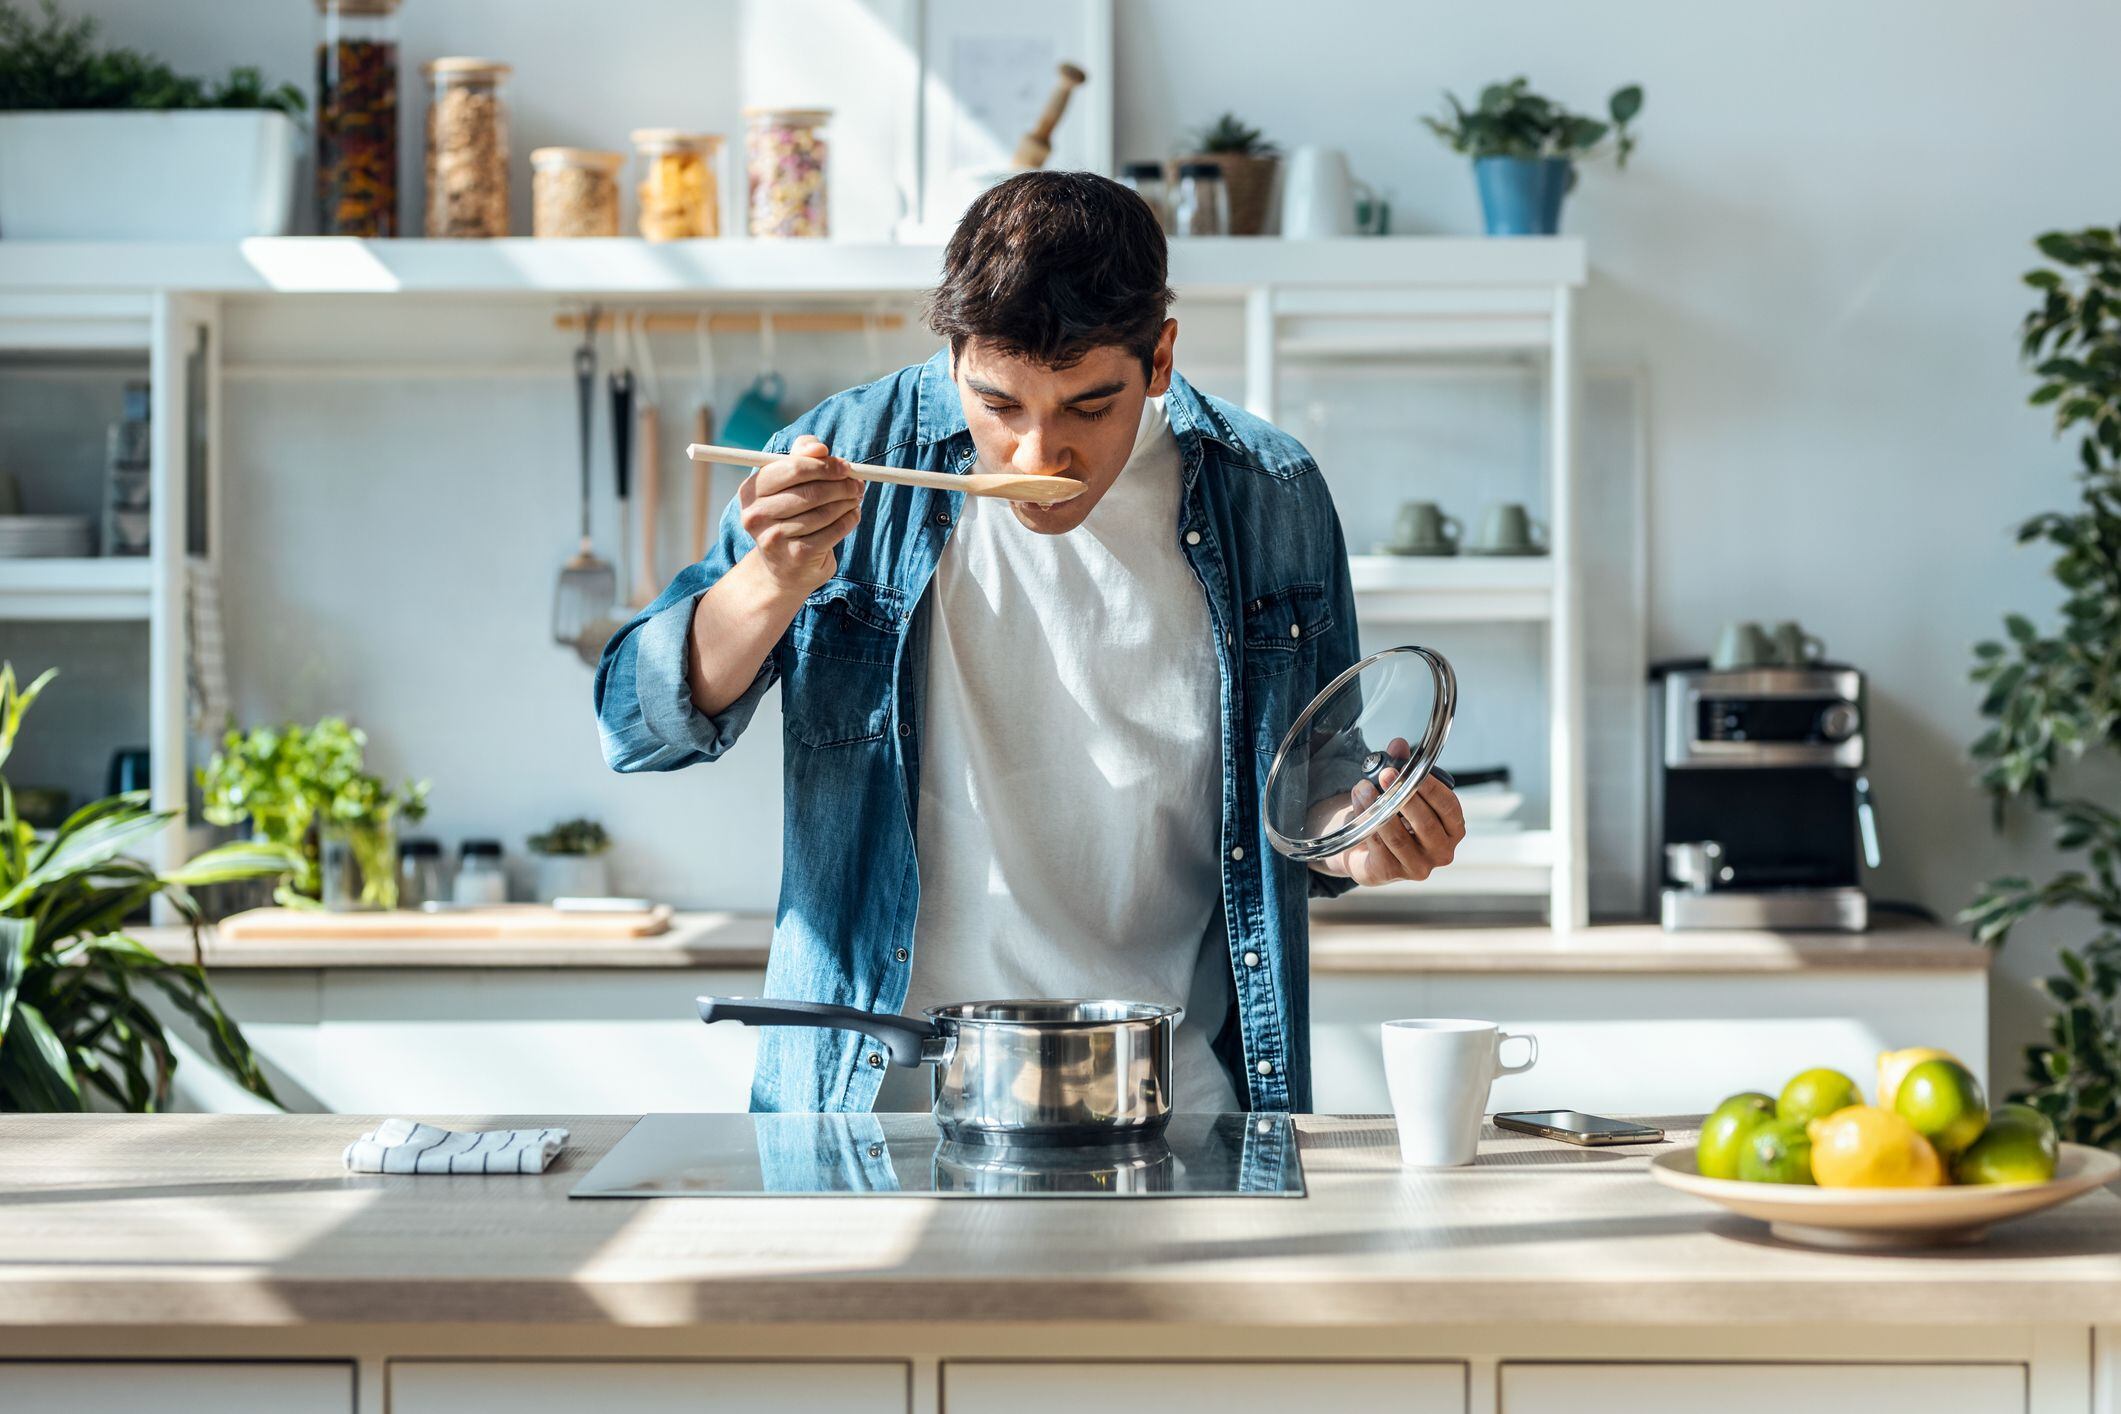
(1510, 530)
(1421, 528)
(1794, 648)
(1439, 1072)
(1317, 195)
(1742, 644)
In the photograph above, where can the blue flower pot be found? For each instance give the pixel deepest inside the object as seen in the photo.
(1521, 196)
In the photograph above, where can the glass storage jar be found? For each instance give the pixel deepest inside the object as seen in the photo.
(680, 190)
(357, 118)
(1201, 204)
(481, 876)
(1146, 179)
(467, 148)
(421, 874)
(574, 191)
(784, 170)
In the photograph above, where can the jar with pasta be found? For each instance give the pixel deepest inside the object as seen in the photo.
(680, 193)
(784, 167)
(467, 149)
(574, 191)
(357, 118)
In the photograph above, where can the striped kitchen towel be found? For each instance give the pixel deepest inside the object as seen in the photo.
(407, 1146)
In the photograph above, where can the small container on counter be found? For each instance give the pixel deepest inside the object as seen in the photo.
(482, 877)
(357, 118)
(574, 191)
(1147, 181)
(467, 149)
(784, 171)
(680, 188)
(422, 872)
(1201, 204)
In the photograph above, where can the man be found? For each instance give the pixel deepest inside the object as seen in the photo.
(1025, 743)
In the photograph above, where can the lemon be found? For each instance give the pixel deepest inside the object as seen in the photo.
(1816, 1092)
(1892, 1065)
(1777, 1151)
(1944, 1102)
(1725, 1131)
(2017, 1147)
(1866, 1147)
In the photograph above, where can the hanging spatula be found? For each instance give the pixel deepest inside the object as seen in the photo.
(586, 587)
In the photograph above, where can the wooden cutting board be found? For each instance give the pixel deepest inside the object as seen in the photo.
(513, 920)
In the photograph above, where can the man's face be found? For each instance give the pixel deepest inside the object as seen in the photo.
(1078, 422)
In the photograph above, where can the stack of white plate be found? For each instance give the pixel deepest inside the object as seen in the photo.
(43, 537)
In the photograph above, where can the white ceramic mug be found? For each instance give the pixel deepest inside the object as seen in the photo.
(1439, 1072)
(1317, 195)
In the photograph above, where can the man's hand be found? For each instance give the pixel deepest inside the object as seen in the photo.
(1415, 843)
(797, 509)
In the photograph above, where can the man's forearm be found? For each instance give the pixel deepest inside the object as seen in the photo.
(734, 628)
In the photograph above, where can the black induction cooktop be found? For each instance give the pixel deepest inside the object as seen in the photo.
(879, 1155)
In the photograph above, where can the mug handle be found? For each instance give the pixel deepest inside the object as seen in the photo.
(1531, 1055)
(1453, 527)
(1538, 531)
(1813, 649)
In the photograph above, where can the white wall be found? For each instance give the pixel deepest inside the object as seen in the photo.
(1814, 256)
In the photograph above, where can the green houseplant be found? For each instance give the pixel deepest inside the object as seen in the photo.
(1525, 148)
(74, 1022)
(570, 860)
(1248, 162)
(308, 789)
(2054, 693)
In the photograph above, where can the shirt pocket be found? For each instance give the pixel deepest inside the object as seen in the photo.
(838, 669)
(1282, 631)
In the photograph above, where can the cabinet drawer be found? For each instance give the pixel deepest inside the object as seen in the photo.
(172, 1387)
(982, 1387)
(645, 1387)
(1762, 1389)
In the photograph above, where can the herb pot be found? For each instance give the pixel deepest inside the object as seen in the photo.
(1521, 196)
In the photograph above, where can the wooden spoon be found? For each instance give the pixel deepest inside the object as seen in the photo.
(1041, 490)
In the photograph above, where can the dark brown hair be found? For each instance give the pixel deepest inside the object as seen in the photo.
(1050, 265)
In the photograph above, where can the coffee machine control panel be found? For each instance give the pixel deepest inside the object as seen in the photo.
(1763, 717)
(1820, 720)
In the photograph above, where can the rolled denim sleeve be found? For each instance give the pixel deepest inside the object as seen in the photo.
(646, 719)
(1340, 648)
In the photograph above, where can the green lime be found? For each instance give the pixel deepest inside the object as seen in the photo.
(2017, 1147)
(1813, 1094)
(1778, 1151)
(1725, 1131)
(1944, 1102)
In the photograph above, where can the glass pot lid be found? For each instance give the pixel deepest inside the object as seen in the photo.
(1355, 755)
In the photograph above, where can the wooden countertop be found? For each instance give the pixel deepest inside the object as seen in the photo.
(231, 1221)
(738, 941)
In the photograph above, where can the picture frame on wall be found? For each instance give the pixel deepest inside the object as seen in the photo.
(983, 74)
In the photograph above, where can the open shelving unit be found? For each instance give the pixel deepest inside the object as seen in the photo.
(1362, 298)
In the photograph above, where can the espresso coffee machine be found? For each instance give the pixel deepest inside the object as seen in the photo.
(1760, 813)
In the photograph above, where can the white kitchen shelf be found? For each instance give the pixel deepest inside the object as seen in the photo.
(116, 588)
(1452, 588)
(784, 269)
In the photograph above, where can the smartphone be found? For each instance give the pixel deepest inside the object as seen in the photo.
(1572, 1127)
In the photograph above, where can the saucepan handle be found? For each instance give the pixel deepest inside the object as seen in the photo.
(903, 1036)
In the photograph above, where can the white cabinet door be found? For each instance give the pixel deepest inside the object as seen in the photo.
(1344, 1388)
(1762, 1389)
(165, 1387)
(645, 1387)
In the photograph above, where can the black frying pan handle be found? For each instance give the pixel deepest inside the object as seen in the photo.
(901, 1035)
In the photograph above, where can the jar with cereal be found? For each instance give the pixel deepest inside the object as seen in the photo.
(357, 118)
(467, 148)
(784, 162)
(680, 191)
(574, 191)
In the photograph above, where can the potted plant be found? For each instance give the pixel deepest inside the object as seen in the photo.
(1248, 163)
(112, 144)
(1525, 149)
(74, 1021)
(570, 860)
(2054, 695)
(307, 789)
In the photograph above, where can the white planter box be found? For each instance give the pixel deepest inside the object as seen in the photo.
(211, 175)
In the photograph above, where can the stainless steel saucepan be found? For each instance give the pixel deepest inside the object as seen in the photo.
(1014, 1072)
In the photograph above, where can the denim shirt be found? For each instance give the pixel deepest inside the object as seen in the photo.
(1257, 525)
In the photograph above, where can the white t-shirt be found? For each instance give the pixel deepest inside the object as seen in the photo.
(1071, 771)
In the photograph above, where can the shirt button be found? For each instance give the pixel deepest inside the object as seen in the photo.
(905, 729)
(1265, 1067)
(1251, 959)
(1193, 537)
(942, 518)
(876, 1151)
(1238, 852)
(899, 953)
(876, 1062)
(1296, 630)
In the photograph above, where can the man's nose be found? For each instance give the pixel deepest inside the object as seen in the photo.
(1038, 453)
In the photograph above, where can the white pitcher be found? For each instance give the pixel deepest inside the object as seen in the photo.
(1317, 195)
